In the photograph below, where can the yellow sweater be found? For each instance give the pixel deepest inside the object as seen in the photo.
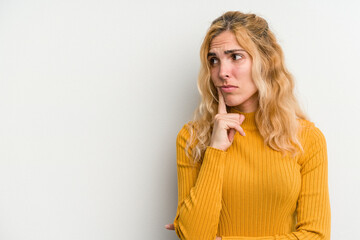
(250, 192)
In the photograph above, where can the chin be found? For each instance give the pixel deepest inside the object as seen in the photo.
(233, 102)
(239, 99)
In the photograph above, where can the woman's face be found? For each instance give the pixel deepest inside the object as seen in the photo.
(230, 69)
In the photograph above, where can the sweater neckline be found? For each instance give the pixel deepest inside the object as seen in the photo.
(249, 122)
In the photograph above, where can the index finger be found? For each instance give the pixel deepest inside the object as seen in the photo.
(222, 105)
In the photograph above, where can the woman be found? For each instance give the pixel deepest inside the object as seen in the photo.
(250, 165)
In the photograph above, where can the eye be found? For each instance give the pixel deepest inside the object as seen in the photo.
(236, 56)
(213, 61)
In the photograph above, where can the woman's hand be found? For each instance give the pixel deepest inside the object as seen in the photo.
(170, 226)
(225, 126)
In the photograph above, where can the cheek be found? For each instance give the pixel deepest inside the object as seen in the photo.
(242, 72)
(214, 77)
(212, 72)
(214, 83)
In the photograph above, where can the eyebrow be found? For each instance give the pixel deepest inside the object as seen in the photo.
(226, 52)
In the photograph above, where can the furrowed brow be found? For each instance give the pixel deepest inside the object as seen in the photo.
(210, 54)
(234, 50)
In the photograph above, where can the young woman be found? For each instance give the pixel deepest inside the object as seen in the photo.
(250, 165)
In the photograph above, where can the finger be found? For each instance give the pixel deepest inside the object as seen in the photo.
(231, 134)
(236, 127)
(240, 130)
(241, 118)
(238, 118)
(170, 226)
(230, 116)
(222, 105)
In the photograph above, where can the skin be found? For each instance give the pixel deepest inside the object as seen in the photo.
(230, 64)
(230, 69)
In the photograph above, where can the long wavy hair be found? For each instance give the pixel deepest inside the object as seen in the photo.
(278, 112)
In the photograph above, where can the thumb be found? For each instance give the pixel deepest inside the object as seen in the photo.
(231, 134)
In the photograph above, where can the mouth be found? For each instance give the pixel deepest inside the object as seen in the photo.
(228, 88)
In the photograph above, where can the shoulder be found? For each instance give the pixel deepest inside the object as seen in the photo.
(312, 140)
(185, 133)
(185, 143)
(310, 133)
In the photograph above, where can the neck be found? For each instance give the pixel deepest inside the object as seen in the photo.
(249, 122)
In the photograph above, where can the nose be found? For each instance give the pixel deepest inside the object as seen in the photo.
(224, 71)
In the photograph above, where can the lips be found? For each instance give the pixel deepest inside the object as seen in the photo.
(228, 88)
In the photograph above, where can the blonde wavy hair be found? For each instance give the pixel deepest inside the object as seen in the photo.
(278, 111)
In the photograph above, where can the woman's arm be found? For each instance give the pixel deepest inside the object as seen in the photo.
(200, 187)
(199, 191)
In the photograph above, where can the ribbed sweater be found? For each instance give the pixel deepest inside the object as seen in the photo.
(252, 192)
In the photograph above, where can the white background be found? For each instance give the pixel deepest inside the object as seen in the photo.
(94, 92)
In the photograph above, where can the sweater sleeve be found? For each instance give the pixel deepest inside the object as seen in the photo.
(199, 191)
(313, 204)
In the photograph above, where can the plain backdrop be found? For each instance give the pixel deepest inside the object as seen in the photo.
(94, 92)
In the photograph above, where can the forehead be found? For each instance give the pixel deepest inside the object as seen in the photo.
(225, 40)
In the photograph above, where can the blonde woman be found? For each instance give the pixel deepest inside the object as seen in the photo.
(250, 165)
